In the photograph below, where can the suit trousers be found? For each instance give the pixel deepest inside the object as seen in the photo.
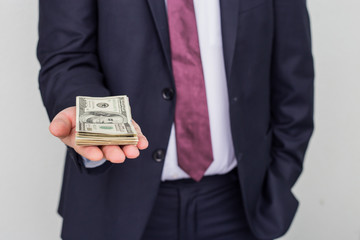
(211, 209)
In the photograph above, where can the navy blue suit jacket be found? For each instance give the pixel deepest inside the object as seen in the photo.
(112, 47)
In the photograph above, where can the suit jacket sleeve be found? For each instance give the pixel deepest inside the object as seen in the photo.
(292, 91)
(67, 51)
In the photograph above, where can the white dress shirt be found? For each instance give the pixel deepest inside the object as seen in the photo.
(211, 49)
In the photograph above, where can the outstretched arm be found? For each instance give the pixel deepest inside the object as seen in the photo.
(67, 51)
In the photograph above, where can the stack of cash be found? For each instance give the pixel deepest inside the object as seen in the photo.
(104, 121)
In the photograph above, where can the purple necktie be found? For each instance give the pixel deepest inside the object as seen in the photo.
(193, 139)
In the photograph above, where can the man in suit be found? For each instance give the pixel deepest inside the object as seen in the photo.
(248, 90)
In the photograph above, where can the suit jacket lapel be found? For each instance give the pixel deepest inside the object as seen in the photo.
(229, 21)
(159, 14)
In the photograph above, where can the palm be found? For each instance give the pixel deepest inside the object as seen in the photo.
(63, 126)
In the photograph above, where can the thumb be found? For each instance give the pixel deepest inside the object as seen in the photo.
(61, 125)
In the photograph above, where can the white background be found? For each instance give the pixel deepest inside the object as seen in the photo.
(32, 161)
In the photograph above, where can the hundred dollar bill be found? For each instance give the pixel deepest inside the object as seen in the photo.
(104, 121)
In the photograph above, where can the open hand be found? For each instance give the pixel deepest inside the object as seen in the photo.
(63, 126)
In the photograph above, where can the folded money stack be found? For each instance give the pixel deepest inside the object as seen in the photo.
(104, 121)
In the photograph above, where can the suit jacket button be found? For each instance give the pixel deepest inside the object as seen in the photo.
(168, 93)
(159, 155)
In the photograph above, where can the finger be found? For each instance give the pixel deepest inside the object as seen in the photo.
(131, 151)
(136, 126)
(60, 126)
(113, 153)
(63, 122)
(143, 142)
(92, 153)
